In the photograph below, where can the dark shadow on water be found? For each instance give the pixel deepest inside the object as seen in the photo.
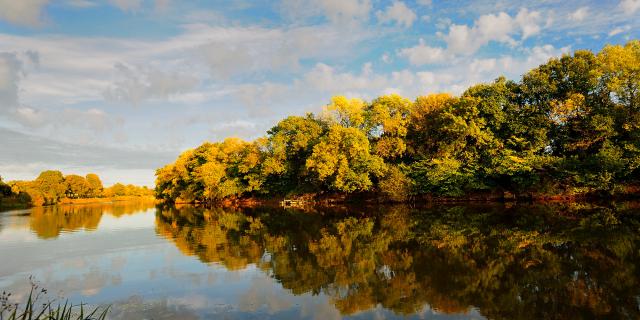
(557, 261)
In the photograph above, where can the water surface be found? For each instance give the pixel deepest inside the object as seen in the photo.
(561, 261)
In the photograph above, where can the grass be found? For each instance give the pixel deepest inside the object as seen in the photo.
(34, 309)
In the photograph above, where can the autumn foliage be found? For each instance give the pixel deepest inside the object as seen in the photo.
(52, 187)
(569, 126)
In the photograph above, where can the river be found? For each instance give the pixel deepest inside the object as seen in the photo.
(471, 261)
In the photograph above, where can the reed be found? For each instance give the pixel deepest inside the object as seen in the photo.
(38, 307)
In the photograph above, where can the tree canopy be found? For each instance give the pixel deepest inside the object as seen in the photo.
(569, 126)
(51, 186)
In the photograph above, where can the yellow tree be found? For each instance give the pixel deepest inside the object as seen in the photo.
(95, 184)
(342, 160)
(77, 186)
(349, 113)
(387, 118)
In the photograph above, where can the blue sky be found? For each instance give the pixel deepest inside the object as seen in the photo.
(120, 87)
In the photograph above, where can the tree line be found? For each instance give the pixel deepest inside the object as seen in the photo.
(569, 126)
(51, 186)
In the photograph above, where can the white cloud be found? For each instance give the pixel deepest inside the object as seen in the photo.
(500, 27)
(261, 99)
(325, 78)
(336, 11)
(72, 68)
(443, 23)
(32, 154)
(10, 74)
(529, 22)
(465, 40)
(22, 12)
(136, 5)
(453, 78)
(619, 30)
(13, 73)
(423, 54)
(81, 3)
(630, 6)
(29, 117)
(397, 13)
(514, 67)
(233, 51)
(345, 10)
(127, 5)
(139, 84)
(580, 14)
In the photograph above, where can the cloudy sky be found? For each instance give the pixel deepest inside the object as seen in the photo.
(120, 87)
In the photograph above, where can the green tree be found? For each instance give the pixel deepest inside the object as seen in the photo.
(287, 147)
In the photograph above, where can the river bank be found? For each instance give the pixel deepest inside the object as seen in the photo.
(15, 203)
(629, 192)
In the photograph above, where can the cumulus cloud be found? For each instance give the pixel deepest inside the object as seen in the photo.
(630, 6)
(466, 40)
(139, 84)
(10, 74)
(580, 14)
(27, 150)
(514, 67)
(12, 71)
(619, 30)
(500, 27)
(397, 13)
(423, 54)
(28, 116)
(127, 5)
(22, 12)
(81, 3)
(72, 69)
(335, 11)
(345, 10)
(325, 78)
(261, 99)
(235, 51)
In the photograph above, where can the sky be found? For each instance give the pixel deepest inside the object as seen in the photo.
(121, 87)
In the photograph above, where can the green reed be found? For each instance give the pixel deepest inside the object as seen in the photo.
(34, 309)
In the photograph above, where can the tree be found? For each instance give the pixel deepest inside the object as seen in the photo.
(394, 184)
(569, 125)
(77, 186)
(422, 135)
(95, 185)
(118, 189)
(5, 189)
(349, 113)
(287, 146)
(619, 71)
(343, 162)
(387, 119)
(51, 184)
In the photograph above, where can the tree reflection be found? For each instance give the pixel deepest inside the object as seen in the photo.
(48, 222)
(523, 262)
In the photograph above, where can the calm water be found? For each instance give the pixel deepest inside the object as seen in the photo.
(448, 262)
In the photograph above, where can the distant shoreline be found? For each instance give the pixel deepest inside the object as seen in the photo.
(14, 205)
